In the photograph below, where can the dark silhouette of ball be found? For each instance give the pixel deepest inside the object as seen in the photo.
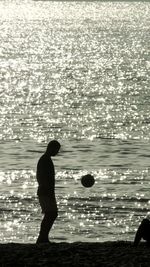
(87, 180)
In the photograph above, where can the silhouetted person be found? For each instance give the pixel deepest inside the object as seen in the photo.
(143, 232)
(46, 190)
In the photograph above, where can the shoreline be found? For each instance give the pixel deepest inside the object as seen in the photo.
(106, 254)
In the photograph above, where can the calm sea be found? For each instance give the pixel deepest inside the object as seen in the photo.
(77, 72)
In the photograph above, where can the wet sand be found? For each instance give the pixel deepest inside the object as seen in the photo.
(107, 254)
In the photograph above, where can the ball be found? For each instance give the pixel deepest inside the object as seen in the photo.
(87, 180)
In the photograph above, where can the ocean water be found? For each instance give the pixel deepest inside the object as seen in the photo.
(77, 72)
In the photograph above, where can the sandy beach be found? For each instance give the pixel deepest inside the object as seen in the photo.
(107, 254)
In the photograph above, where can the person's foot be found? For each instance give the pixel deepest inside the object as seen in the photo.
(42, 241)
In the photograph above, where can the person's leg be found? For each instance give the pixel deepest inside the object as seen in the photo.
(46, 225)
(143, 232)
(146, 230)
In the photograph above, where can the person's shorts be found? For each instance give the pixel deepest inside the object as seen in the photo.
(48, 204)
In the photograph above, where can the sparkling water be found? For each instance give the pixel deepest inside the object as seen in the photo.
(77, 72)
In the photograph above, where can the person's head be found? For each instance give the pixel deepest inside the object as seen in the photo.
(53, 148)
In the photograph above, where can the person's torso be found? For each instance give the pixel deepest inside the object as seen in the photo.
(45, 176)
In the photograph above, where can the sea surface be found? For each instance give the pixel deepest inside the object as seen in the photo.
(78, 72)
